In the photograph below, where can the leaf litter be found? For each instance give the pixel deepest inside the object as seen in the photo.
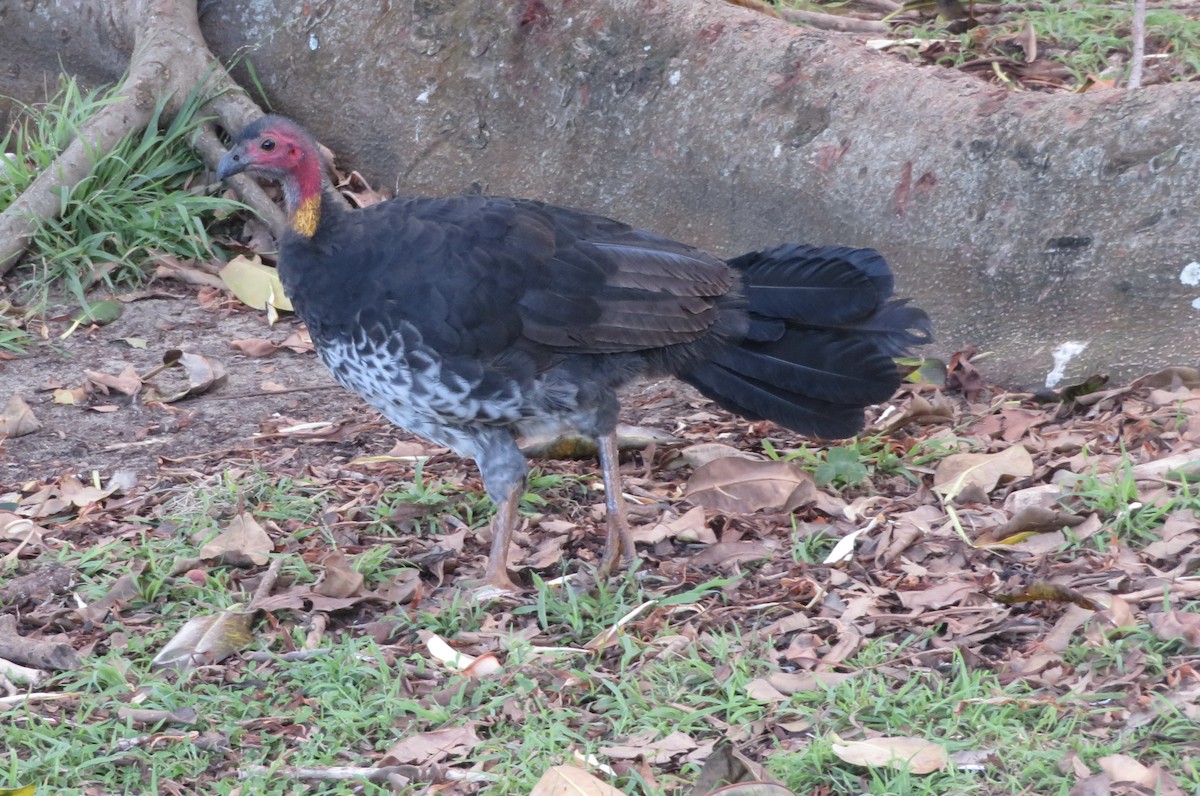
(933, 556)
(1008, 530)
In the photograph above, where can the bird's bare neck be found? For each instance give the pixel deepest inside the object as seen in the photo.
(302, 196)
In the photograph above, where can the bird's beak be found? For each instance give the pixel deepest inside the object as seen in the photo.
(235, 162)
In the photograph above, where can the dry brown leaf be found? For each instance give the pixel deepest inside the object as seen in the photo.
(17, 419)
(203, 373)
(571, 781)
(724, 553)
(752, 788)
(696, 456)
(1123, 768)
(299, 341)
(690, 527)
(243, 543)
(337, 578)
(726, 766)
(432, 747)
(762, 690)
(255, 347)
(127, 382)
(657, 751)
(1175, 624)
(743, 486)
(939, 595)
(917, 755)
(81, 495)
(73, 397)
(1045, 591)
(795, 682)
(981, 471)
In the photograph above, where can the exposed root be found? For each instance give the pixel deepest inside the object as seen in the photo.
(170, 60)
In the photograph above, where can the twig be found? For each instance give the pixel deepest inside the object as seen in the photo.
(266, 656)
(369, 773)
(1138, 55)
(268, 582)
(1181, 588)
(21, 699)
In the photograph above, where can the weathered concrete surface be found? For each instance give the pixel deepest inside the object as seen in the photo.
(1023, 223)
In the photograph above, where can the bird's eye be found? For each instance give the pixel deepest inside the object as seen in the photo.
(267, 145)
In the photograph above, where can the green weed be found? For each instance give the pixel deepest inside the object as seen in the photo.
(140, 201)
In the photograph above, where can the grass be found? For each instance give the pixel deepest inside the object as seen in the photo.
(1087, 37)
(141, 201)
(857, 461)
(687, 669)
(1128, 515)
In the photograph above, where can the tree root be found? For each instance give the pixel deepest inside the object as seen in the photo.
(169, 60)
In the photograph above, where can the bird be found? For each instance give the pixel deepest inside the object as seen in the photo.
(471, 320)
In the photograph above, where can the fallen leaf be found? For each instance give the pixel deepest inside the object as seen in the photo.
(1123, 768)
(255, 347)
(432, 747)
(696, 456)
(203, 373)
(981, 471)
(255, 285)
(17, 419)
(205, 640)
(657, 751)
(1045, 591)
(940, 595)
(337, 578)
(101, 313)
(1175, 624)
(690, 527)
(73, 397)
(571, 781)
(127, 382)
(917, 755)
(242, 543)
(727, 767)
(751, 788)
(743, 486)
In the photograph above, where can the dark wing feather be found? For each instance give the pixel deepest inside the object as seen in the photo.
(480, 275)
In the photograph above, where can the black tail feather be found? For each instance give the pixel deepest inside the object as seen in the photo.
(821, 340)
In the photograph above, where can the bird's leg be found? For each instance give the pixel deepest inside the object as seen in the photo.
(619, 535)
(503, 525)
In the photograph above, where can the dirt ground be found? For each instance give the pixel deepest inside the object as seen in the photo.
(116, 432)
(280, 397)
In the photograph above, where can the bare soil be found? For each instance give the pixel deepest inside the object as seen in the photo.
(117, 432)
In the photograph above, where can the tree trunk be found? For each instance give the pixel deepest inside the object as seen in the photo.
(1023, 222)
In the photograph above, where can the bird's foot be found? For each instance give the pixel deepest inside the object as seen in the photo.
(618, 546)
(496, 583)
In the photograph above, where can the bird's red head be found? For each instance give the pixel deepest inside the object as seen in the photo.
(280, 149)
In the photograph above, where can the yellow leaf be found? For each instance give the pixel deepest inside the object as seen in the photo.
(256, 285)
(28, 790)
(206, 639)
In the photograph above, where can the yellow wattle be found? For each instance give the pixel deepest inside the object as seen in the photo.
(305, 219)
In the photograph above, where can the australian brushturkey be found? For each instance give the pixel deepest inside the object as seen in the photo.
(472, 319)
